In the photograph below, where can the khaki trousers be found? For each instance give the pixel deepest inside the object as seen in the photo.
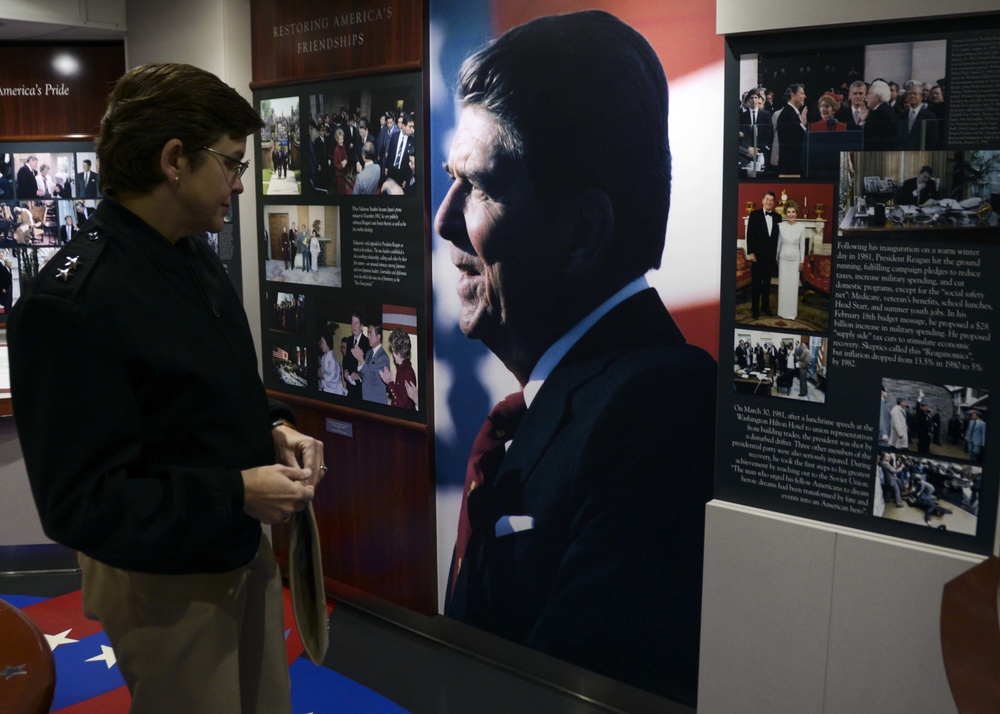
(196, 644)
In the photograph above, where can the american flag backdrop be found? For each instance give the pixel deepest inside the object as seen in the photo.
(88, 680)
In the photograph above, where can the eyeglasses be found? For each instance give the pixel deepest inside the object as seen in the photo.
(232, 166)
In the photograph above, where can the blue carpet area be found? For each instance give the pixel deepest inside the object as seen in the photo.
(87, 677)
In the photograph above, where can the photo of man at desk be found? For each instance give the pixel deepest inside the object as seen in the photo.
(933, 193)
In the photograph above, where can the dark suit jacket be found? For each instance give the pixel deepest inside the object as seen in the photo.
(387, 153)
(762, 244)
(925, 133)
(881, 129)
(88, 189)
(27, 188)
(765, 130)
(351, 365)
(846, 115)
(905, 194)
(613, 460)
(791, 137)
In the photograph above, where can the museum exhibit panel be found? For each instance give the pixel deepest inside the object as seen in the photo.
(852, 461)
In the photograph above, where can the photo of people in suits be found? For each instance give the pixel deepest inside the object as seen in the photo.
(934, 419)
(777, 364)
(367, 354)
(303, 245)
(858, 98)
(347, 117)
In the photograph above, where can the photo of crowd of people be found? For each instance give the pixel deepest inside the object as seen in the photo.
(920, 192)
(797, 114)
(927, 492)
(280, 150)
(783, 256)
(774, 364)
(302, 245)
(933, 419)
(366, 150)
(288, 311)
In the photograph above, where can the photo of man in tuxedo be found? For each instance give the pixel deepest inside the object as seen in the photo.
(762, 249)
(571, 539)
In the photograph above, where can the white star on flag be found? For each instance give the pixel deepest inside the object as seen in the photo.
(107, 655)
(13, 671)
(60, 639)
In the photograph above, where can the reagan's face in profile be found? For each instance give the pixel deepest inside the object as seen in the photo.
(488, 216)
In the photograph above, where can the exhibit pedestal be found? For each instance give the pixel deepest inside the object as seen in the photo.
(799, 616)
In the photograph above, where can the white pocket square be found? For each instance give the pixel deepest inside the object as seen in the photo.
(508, 525)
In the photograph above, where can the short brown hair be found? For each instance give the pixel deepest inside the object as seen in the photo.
(399, 342)
(154, 103)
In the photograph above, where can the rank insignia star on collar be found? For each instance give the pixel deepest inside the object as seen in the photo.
(71, 262)
(63, 274)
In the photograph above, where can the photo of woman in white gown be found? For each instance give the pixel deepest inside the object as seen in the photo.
(791, 255)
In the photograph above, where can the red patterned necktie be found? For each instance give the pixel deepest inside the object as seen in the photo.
(487, 454)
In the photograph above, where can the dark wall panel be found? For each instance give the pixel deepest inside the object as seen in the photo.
(56, 91)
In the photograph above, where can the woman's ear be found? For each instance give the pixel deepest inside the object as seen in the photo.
(172, 160)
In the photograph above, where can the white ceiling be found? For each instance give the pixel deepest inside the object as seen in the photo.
(24, 31)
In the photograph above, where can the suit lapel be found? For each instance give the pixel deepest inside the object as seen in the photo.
(551, 411)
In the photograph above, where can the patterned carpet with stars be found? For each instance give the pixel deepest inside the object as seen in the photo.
(88, 681)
